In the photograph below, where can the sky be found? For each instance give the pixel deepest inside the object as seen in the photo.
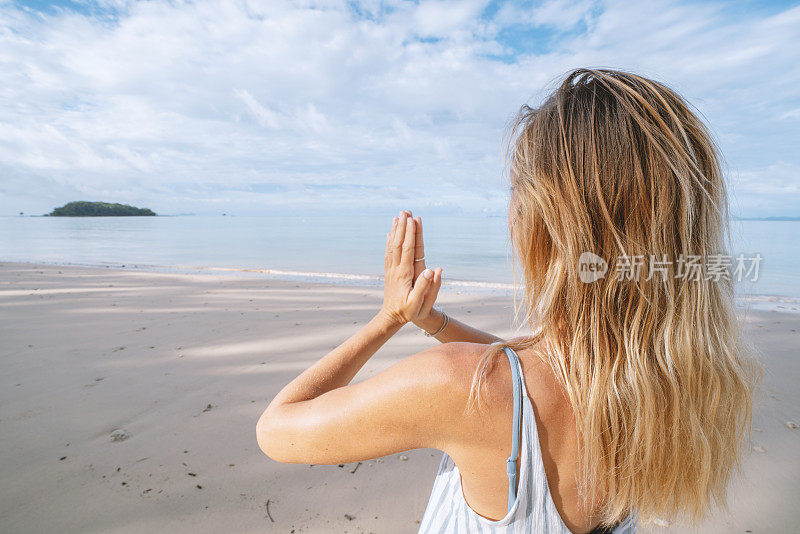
(294, 107)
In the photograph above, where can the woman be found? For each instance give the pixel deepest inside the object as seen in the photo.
(632, 395)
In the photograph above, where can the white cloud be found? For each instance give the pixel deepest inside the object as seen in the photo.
(560, 14)
(764, 191)
(184, 105)
(791, 114)
(265, 117)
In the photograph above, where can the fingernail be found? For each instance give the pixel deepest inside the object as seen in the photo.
(427, 274)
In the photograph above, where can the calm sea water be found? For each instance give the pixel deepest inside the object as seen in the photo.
(473, 249)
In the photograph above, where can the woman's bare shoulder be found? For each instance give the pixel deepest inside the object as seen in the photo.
(461, 358)
(543, 386)
(457, 365)
(455, 362)
(463, 362)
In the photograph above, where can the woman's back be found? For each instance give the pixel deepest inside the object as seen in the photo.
(474, 493)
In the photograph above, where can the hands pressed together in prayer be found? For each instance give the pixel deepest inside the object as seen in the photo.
(410, 289)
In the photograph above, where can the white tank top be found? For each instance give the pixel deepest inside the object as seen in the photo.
(533, 510)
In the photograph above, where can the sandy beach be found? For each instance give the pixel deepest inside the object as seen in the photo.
(182, 365)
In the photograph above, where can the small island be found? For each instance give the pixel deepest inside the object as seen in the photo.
(99, 209)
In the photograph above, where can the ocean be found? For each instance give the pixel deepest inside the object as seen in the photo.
(473, 250)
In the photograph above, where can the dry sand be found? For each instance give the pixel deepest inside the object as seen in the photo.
(185, 363)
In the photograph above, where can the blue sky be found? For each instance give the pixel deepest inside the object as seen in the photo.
(261, 107)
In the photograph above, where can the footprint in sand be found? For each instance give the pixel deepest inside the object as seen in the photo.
(119, 435)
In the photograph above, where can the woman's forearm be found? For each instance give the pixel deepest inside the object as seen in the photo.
(338, 368)
(455, 330)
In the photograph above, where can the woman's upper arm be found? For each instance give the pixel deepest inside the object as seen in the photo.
(413, 404)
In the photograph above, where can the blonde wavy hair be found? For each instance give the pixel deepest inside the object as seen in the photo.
(659, 377)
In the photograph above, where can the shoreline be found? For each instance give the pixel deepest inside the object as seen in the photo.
(762, 302)
(334, 278)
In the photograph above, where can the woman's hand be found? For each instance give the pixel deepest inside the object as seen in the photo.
(410, 289)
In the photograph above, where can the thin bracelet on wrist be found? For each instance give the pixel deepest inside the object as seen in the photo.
(444, 325)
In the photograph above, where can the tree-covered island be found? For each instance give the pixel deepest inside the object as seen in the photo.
(98, 209)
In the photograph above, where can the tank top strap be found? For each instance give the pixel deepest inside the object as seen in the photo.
(524, 389)
(518, 392)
